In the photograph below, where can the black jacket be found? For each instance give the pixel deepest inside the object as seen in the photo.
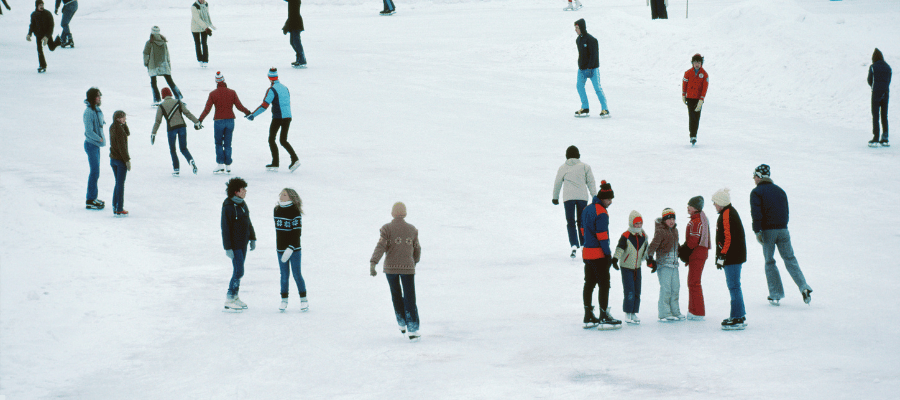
(288, 226)
(294, 21)
(588, 49)
(879, 77)
(237, 229)
(41, 24)
(769, 206)
(730, 239)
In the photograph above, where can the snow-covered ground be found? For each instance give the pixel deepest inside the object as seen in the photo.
(461, 109)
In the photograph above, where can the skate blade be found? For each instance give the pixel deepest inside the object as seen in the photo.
(233, 310)
(590, 325)
(294, 168)
(734, 328)
(634, 322)
(272, 169)
(605, 116)
(414, 339)
(603, 327)
(581, 116)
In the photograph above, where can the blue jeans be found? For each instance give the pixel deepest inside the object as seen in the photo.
(389, 5)
(298, 47)
(119, 171)
(181, 135)
(292, 266)
(576, 237)
(733, 279)
(780, 238)
(404, 300)
(223, 129)
(594, 76)
(631, 285)
(68, 11)
(880, 107)
(93, 153)
(238, 263)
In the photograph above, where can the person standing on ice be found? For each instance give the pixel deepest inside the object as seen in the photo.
(588, 69)
(880, 81)
(280, 98)
(69, 8)
(388, 8)
(174, 111)
(577, 182)
(731, 254)
(294, 25)
(42, 28)
(201, 28)
(237, 234)
(665, 246)
(597, 256)
(770, 213)
(694, 252)
(693, 92)
(224, 99)
(658, 9)
(570, 7)
(632, 251)
(93, 141)
(119, 160)
(156, 59)
(288, 225)
(400, 241)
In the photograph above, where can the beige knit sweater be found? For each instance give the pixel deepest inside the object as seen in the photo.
(400, 241)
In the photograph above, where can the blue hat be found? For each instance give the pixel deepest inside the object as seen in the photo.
(273, 74)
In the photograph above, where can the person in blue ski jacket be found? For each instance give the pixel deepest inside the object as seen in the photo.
(279, 98)
(880, 81)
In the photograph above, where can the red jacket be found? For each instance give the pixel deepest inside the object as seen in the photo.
(694, 85)
(224, 98)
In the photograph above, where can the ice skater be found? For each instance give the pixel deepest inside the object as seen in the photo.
(288, 225)
(294, 25)
(693, 92)
(94, 139)
(597, 256)
(280, 98)
(400, 241)
(119, 160)
(588, 69)
(42, 28)
(658, 9)
(632, 251)
(577, 183)
(880, 80)
(665, 246)
(69, 8)
(225, 100)
(201, 28)
(731, 254)
(174, 111)
(156, 59)
(573, 7)
(5, 4)
(694, 252)
(237, 235)
(389, 8)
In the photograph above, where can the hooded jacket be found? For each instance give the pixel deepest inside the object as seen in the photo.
(200, 17)
(664, 244)
(731, 242)
(174, 112)
(588, 49)
(576, 181)
(93, 125)
(294, 20)
(632, 247)
(879, 77)
(224, 99)
(769, 206)
(237, 229)
(156, 56)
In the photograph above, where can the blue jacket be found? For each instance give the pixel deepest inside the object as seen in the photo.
(280, 99)
(93, 126)
(595, 222)
(879, 77)
(237, 229)
(768, 206)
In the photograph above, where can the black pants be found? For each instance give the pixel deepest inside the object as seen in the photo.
(658, 9)
(284, 124)
(880, 103)
(596, 272)
(51, 44)
(693, 116)
(200, 46)
(170, 82)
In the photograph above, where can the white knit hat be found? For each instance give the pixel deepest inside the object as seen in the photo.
(154, 30)
(722, 198)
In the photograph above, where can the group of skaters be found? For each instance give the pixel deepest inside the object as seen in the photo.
(588, 230)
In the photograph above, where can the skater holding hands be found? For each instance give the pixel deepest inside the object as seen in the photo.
(225, 100)
(665, 246)
(279, 98)
(174, 111)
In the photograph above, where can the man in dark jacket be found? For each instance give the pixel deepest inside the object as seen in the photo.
(880, 81)
(731, 254)
(294, 25)
(596, 255)
(237, 232)
(588, 68)
(769, 209)
(42, 27)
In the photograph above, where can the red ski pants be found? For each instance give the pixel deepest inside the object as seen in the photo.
(695, 291)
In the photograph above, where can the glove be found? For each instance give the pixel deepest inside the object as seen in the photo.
(198, 126)
(44, 40)
(56, 11)
(152, 138)
(683, 99)
(230, 253)
(249, 117)
(652, 265)
(759, 237)
(372, 270)
(720, 262)
(28, 37)
(287, 255)
(128, 165)
(555, 202)
(208, 31)
(252, 245)
(699, 106)
(615, 263)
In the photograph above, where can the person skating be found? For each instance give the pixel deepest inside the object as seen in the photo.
(400, 241)
(42, 28)
(632, 251)
(119, 160)
(880, 80)
(577, 183)
(288, 225)
(156, 59)
(94, 139)
(69, 9)
(573, 7)
(588, 69)
(223, 121)
(731, 254)
(770, 212)
(665, 246)
(174, 112)
(237, 235)
(201, 29)
(658, 9)
(693, 93)
(694, 252)
(596, 255)
(7, 7)
(280, 98)
(294, 25)
(389, 8)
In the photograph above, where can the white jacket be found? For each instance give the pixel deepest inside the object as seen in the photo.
(200, 17)
(576, 180)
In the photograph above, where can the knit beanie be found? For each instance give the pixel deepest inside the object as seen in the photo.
(220, 77)
(722, 198)
(273, 74)
(572, 152)
(166, 92)
(154, 30)
(668, 213)
(697, 57)
(606, 191)
(398, 210)
(696, 202)
(762, 171)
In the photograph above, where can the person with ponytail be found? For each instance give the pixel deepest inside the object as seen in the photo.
(288, 222)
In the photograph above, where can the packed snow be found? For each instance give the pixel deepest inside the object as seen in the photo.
(463, 110)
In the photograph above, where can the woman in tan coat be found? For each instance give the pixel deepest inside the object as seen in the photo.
(400, 241)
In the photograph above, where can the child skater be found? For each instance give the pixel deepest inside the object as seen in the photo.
(400, 241)
(632, 250)
(119, 160)
(288, 221)
(665, 246)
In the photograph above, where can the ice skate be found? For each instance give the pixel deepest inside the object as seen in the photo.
(734, 324)
(231, 306)
(94, 205)
(283, 305)
(219, 170)
(304, 304)
(402, 329)
(194, 165)
(632, 318)
(120, 214)
(670, 318)
(590, 321)
(807, 296)
(577, 5)
(41, 70)
(607, 322)
(774, 302)
(175, 173)
(237, 301)
(295, 165)
(414, 336)
(582, 113)
(272, 168)
(569, 7)
(693, 317)
(227, 168)
(693, 141)
(605, 114)
(873, 143)
(884, 143)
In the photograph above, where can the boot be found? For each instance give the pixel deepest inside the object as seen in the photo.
(283, 305)
(590, 321)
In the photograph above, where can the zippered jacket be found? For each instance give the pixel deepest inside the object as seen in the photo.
(279, 98)
(879, 77)
(93, 125)
(595, 222)
(730, 239)
(695, 83)
(576, 181)
(237, 230)
(631, 250)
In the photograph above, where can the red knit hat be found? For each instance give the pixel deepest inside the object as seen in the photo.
(166, 93)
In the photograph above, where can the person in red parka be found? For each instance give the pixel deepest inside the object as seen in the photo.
(694, 252)
(693, 92)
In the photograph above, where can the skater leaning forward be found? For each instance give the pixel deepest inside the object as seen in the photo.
(596, 256)
(94, 139)
(400, 241)
(577, 183)
(731, 254)
(237, 234)
(280, 98)
(288, 225)
(224, 99)
(665, 246)
(631, 252)
(588, 69)
(174, 112)
(693, 93)
(694, 252)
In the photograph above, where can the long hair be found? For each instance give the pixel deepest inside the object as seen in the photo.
(295, 199)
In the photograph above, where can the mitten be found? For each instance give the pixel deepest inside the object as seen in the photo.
(28, 37)
(683, 99)
(287, 255)
(252, 245)
(372, 270)
(615, 263)
(720, 262)
(198, 126)
(699, 106)
(230, 253)
(555, 202)
(249, 117)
